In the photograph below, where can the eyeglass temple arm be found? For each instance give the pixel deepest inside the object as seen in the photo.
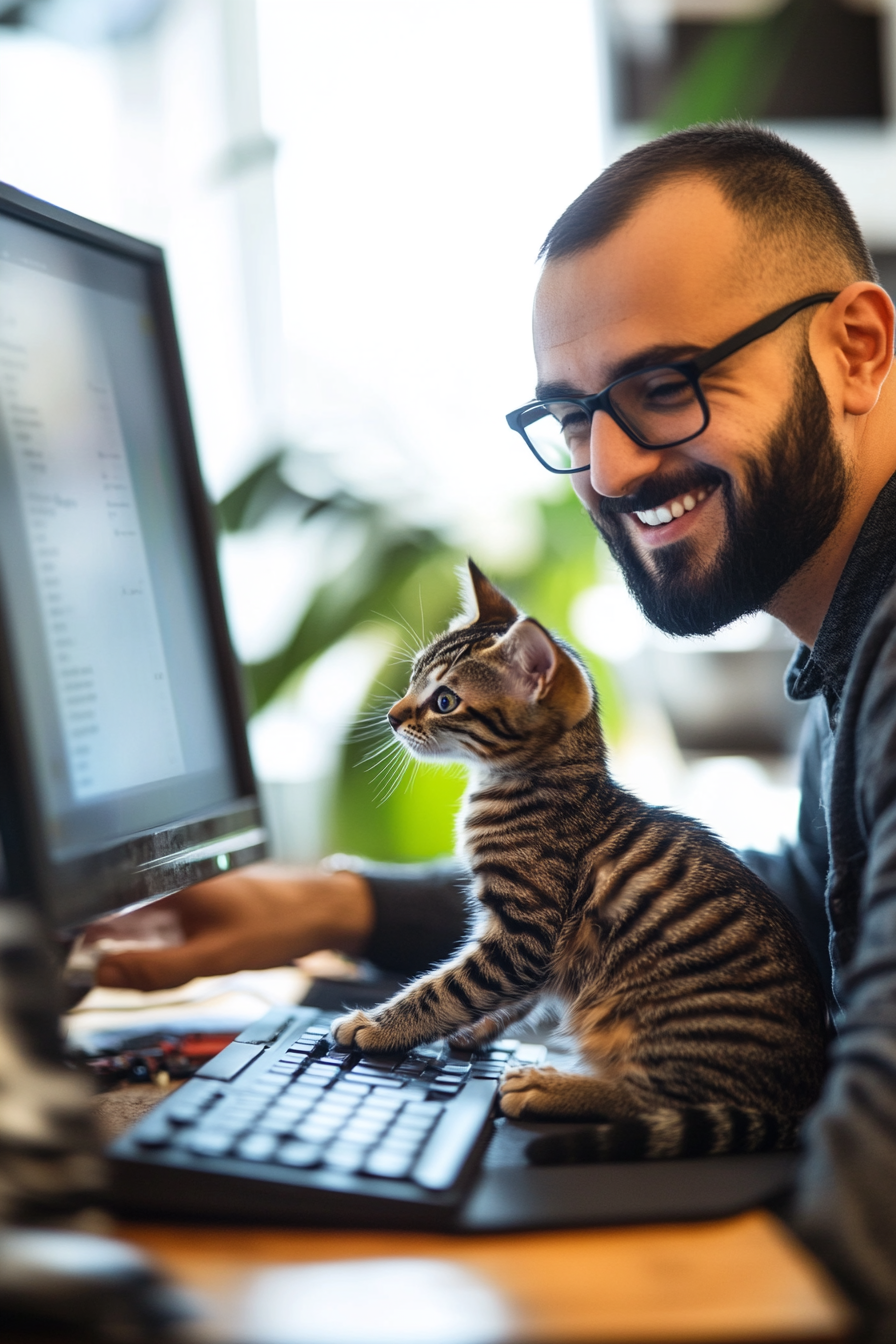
(760, 328)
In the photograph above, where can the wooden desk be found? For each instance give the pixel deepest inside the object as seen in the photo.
(741, 1279)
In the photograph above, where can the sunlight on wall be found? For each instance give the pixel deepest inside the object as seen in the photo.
(425, 152)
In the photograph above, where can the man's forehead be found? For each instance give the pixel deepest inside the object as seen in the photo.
(660, 277)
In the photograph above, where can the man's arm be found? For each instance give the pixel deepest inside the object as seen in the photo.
(845, 1206)
(402, 918)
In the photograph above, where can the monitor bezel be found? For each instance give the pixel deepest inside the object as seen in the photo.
(164, 859)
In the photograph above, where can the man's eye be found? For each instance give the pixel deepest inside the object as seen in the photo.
(576, 427)
(445, 700)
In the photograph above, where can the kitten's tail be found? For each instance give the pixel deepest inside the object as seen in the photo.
(694, 1131)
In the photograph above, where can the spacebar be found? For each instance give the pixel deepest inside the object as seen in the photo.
(443, 1158)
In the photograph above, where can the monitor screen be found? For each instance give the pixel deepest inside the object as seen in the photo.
(119, 676)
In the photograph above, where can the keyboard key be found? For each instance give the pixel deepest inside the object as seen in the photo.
(345, 1156)
(266, 1029)
(231, 1061)
(319, 1080)
(291, 1101)
(364, 1133)
(385, 1062)
(381, 1081)
(448, 1078)
(257, 1147)
(389, 1163)
(442, 1090)
(335, 1114)
(299, 1154)
(302, 1091)
(318, 1069)
(380, 1100)
(349, 1088)
(210, 1142)
(277, 1124)
(190, 1101)
(154, 1132)
(336, 1056)
(311, 1132)
(455, 1067)
(411, 1124)
(430, 1110)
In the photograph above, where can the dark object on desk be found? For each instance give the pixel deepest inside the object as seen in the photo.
(49, 1161)
(284, 1127)
(510, 1194)
(150, 1057)
(92, 1286)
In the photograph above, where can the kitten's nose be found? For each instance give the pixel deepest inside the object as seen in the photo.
(398, 713)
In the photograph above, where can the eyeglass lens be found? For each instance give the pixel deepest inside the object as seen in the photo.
(659, 407)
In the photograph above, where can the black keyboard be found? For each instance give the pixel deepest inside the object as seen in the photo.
(285, 1124)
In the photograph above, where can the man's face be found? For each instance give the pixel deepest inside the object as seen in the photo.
(749, 501)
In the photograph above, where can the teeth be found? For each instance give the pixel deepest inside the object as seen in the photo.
(676, 509)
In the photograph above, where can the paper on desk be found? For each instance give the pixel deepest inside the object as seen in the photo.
(212, 1003)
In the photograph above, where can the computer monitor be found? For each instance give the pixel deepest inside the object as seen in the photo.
(124, 769)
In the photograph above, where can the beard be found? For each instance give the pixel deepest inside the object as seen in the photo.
(793, 496)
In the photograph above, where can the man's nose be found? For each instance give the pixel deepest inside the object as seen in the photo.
(618, 465)
(400, 711)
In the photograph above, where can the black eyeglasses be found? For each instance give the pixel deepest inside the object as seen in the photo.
(658, 407)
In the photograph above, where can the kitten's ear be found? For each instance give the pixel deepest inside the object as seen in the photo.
(485, 603)
(539, 669)
(532, 659)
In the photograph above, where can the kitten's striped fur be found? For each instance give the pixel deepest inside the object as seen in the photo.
(686, 986)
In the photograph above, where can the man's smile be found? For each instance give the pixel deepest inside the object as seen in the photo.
(672, 519)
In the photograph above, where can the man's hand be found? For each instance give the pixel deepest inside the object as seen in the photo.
(251, 918)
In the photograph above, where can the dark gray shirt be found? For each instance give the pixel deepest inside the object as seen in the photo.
(839, 880)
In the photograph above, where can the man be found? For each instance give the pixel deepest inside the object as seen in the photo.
(759, 475)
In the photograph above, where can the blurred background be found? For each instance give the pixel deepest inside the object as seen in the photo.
(352, 194)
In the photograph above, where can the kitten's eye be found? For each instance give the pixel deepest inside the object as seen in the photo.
(445, 700)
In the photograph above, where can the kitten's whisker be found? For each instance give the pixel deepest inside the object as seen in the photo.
(384, 749)
(403, 624)
(393, 782)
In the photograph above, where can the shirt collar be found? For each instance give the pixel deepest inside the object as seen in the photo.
(867, 575)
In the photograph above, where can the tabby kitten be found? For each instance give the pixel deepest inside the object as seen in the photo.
(693, 1002)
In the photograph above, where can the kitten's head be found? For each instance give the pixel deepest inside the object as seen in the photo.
(495, 688)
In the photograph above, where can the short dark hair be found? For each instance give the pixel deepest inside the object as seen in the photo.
(776, 186)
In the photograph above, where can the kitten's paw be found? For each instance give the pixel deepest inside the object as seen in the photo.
(364, 1032)
(348, 1030)
(530, 1092)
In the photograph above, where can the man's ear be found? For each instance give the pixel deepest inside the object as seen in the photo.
(538, 669)
(484, 603)
(858, 326)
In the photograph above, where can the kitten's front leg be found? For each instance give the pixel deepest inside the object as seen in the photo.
(492, 1026)
(425, 1012)
(445, 1001)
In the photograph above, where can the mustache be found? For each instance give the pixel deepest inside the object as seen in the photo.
(657, 489)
